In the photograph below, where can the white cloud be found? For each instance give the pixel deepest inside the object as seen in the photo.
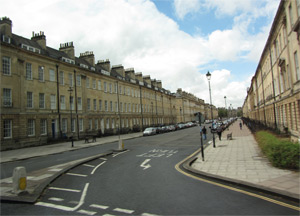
(134, 33)
(184, 7)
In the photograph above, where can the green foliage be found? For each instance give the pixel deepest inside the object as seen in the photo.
(281, 152)
(222, 112)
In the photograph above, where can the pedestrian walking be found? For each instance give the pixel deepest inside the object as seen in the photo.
(241, 125)
(204, 132)
(219, 132)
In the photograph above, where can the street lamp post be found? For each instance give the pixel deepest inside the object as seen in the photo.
(71, 102)
(225, 107)
(208, 76)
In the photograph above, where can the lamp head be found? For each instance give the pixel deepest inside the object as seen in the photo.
(208, 75)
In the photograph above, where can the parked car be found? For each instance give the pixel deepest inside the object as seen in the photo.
(149, 131)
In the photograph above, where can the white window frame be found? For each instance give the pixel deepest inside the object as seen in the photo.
(64, 125)
(79, 103)
(71, 80)
(51, 75)
(80, 124)
(99, 84)
(41, 100)
(28, 71)
(95, 104)
(61, 78)
(106, 106)
(31, 127)
(43, 126)
(29, 100)
(41, 74)
(94, 83)
(62, 102)
(6, 65)
(297, 69)
(53, 101)
(88, 104)
(7, 128)
(7, 97)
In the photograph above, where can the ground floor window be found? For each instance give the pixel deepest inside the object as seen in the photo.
(80, 124)
(31, 127)
(43, 126)
(64, 125)
(7, 126)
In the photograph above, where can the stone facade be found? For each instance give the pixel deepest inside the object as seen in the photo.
(41, 88)
(274, 95)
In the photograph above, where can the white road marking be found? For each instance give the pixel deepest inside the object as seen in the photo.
(88, 165)
(56, 199)
(144, 164)
(127, 211)
(65, 189)
(54, 170)
(103, 158)
(108, 215)
(147, 214)
(75, 174)
(66, 208)
(115, 155)
(87, 212)
(99, 206)
(97, 167)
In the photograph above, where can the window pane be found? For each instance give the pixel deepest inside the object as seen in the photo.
(6, 65)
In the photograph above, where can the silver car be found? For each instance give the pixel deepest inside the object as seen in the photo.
(149, 131)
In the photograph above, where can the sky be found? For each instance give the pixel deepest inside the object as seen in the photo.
(175, 41)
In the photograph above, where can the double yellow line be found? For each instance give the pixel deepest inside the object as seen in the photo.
(229, 187)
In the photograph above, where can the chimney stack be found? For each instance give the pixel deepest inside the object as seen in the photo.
(6, 26)
(68, 48)
(104, 65)
(118, 69)
(40, 38)
(89, 57)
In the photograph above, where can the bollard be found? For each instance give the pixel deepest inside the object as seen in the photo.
(121, 144)
(19, 180)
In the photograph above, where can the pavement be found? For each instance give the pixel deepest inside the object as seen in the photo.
(241, 161)
(238, 160)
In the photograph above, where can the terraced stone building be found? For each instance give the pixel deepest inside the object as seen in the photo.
(49, 94)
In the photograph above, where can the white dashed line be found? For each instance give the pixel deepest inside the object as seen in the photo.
(127, 211)
(75, 174)
(108, 215)
(103, 158)
(64, 189)
(88, 165)
(87, 212)
(97, 167)
(99, 206)
(56, 199)
(147, 214)
(115, 155)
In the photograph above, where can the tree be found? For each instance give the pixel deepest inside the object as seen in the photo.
(222, 112)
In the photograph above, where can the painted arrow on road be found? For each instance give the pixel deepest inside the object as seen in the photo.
(144, 164)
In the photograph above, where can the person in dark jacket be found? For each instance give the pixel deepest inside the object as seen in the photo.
(219, 131)
(204, 132)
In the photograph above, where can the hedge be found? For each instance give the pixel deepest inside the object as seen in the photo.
(280, 152)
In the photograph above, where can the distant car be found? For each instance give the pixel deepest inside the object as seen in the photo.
(149, 131)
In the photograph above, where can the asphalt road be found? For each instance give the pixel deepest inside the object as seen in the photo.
(142, 181)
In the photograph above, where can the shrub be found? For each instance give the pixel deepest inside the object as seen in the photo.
(280, 152)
